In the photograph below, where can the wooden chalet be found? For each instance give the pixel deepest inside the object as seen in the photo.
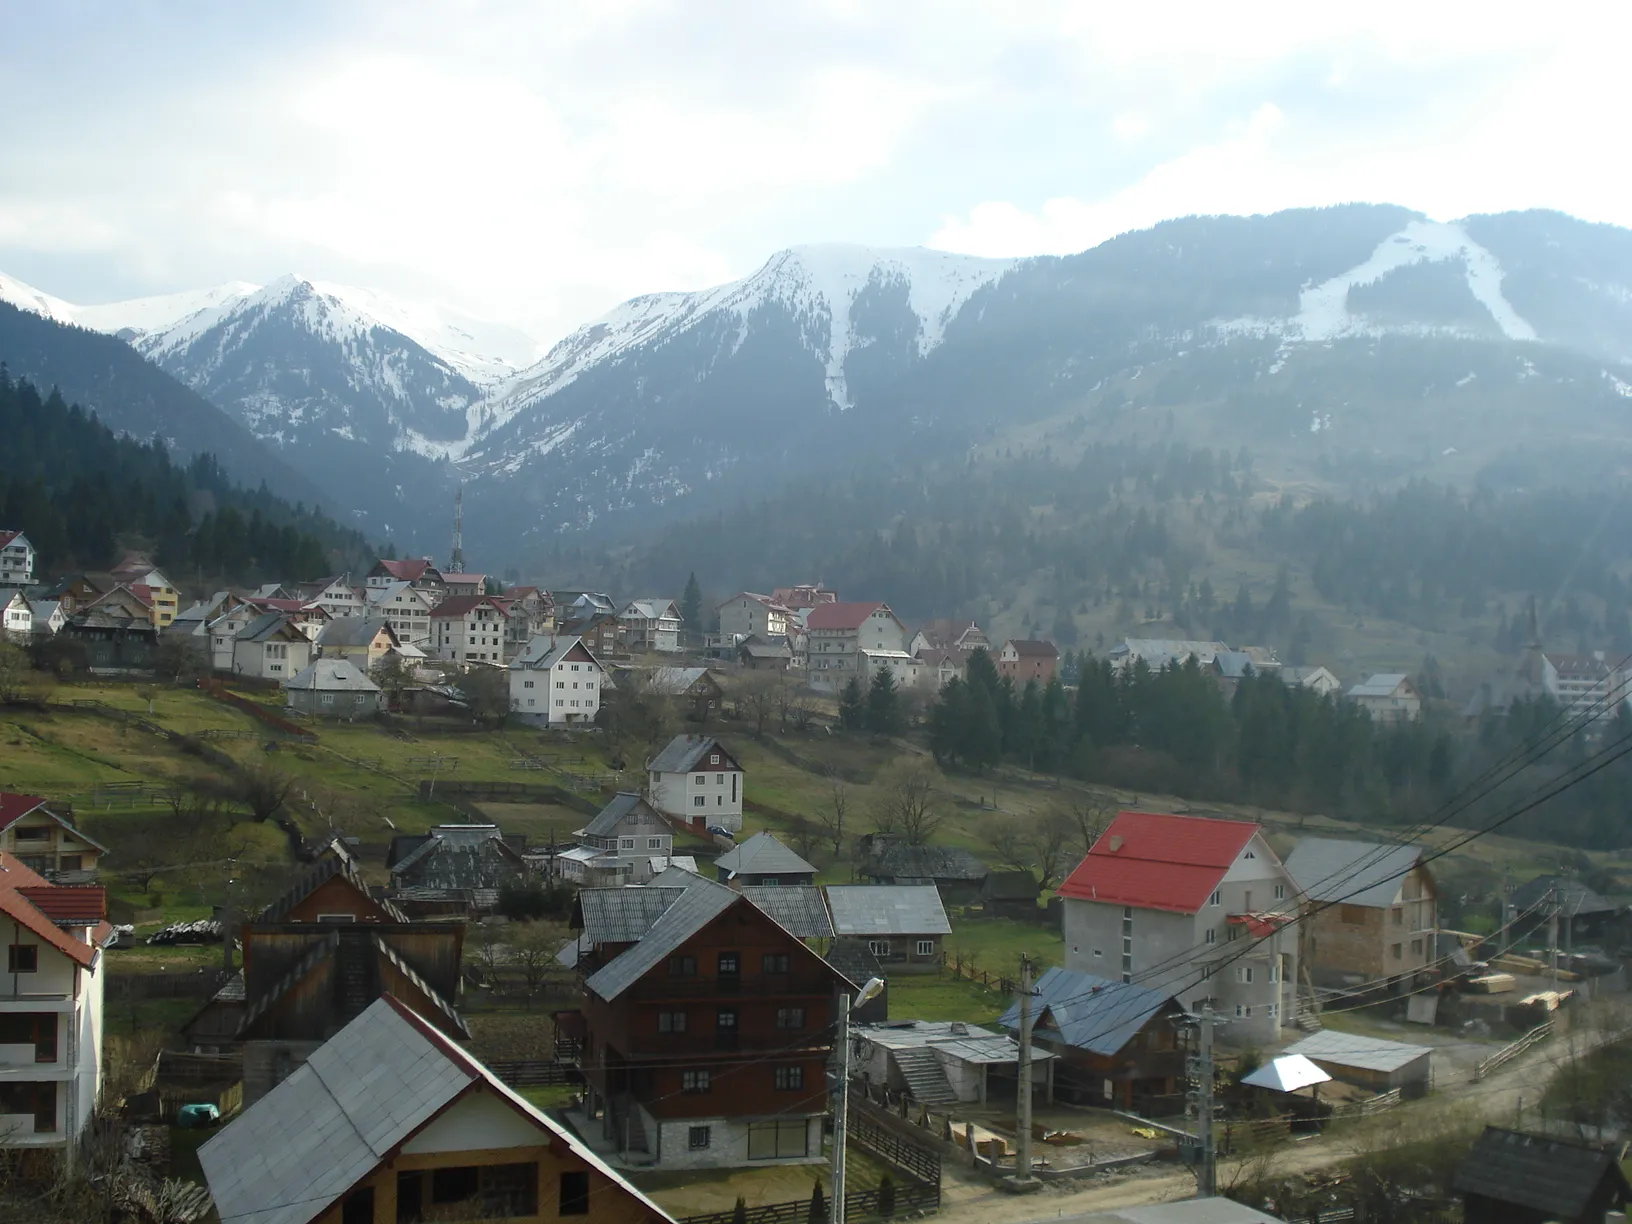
(704, 1025)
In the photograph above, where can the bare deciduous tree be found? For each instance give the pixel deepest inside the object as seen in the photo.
(14, 672)
(263, 790)
(833, 815)
(756, 697)
(908, 807)
(1087, 816)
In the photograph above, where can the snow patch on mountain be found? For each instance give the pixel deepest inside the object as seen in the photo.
(1323, 312)
(482, 350)
(816, 284)
(35, 301)
(149, 314)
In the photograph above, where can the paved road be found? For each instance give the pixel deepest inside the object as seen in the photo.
(967, 1199)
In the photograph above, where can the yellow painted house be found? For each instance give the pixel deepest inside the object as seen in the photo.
(45, 842)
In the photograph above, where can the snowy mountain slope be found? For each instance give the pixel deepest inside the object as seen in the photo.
(149, 314)
(36, 301)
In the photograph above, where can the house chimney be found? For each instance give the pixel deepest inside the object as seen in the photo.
(1116, 843)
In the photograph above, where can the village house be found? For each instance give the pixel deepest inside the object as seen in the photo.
(46, 842)
(390, 1121)
(648, 625)
(221, 632)
(16, 617)
(126, 603)
(1370, 911)
(453, 870)
(317, 957)
(839, 632)
(949, 633)
(747, 614)
(597, 630)
(16, 559)
(406, 608)
(417, 572)
(49, 617)
(464, 584)
(1167, 901)
(335, 595)
(939, 1062)
(76, 592)
(694, 690)
(900, 924)
(50, 1009)
(705, 1029)
(626, 843)
(1513, 1178)
(1157, 653)
(763, 860)
(906, 671)
(760, 654)
(469, 629)
(142, 576)
(270, 647)
(1024, 660)
(531, 613)
(1118, 1044)
(333, 688)
(361, 641)
(805, 596)
(556, 681)
(114, 644)
(694, 779)
(942, 665)
(1388, 697)
(957, 874)
(1318, 680)
(1585, 686)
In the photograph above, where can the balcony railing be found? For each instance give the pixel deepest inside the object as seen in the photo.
(765, 985)
(754, 1041)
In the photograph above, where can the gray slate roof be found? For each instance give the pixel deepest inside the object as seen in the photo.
(1574, 897)
(1382, 684)
(331, 676)
(763, 854)
(263, 627)
(1189, 1211)
(1551, 1176)
(675, 681)
(798, 908)
(855, 960)
(694, 909)
(682, 754)
(1353, 1050)
(622, 915)
(608, 819)
(459, 857)
(928, 863)
(1356, 873)
(887, 909)
(350, 631)
(292, 1154)
(1090, 1013)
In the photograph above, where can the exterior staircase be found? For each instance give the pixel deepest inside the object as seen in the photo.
(926, 1078)
(629, 1132)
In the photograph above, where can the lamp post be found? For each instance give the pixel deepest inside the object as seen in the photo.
(841, 1101)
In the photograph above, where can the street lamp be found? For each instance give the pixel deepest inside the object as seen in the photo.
(841, 1112)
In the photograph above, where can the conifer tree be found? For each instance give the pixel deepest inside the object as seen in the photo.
(852, 705)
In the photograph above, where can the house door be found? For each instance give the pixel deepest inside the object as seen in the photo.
(730, 972)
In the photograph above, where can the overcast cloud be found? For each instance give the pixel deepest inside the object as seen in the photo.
(538, 163)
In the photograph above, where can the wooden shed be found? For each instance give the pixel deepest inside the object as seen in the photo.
(1369, 1062)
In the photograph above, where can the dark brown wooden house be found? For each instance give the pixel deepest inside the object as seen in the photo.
(1514, 1178)
(704, 1027)
(1117, 1043)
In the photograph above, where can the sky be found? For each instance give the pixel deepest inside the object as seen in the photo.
(537, 163)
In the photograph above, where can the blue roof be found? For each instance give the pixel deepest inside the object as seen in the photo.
(1090, 1013)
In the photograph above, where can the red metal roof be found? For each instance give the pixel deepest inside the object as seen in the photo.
(840, 615)
(13, 807)
(87, 903)
(1159, 862)
(14, 878)
(409, 569)
(455, 606)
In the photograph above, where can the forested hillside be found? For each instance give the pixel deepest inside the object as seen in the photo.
(1176, 541)
(80, 492)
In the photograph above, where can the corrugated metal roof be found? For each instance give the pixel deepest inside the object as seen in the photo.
(622, 915)
(966, 1042)
(331, 676)
(608, 819)
(1088, 1012)
(1382, 684)
(763, 854)
(1189, 1211)
(694, 909)
(351, 631)
(887, 909)
(1356, 873)
(1353, 1050)
(683, 752)
(927, 863)
(798, 908)
(1159, 861)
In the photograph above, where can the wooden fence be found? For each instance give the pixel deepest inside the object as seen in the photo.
(190, 984)
(966, 969)
(256, 710)
(1508, 1053)
(536, 1072)
(912, 1161)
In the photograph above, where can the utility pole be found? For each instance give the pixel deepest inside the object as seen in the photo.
(1207, 1165)
(841, 1111)
(1552, 936)
(1022, 1163)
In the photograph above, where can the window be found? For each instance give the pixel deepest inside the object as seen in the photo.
(1243, 974)
(719, 800)
(38, 1029)
(1232, 932)
(773, 962)
(697, 1138)
(1396, 952)
(682, 966)
(790, 1017)
(1274, 972)
(337, 917)
(878, 947)
(561, 684)
(574, 1194)
(1243, 1011)
(714, 758)
(1274, 1010)
(22, 1099)
(22, 958)
(1398, 916)
(1210, 936)
(1416, 947)
(1249, 855)
(719, 779)
(671, 1022)
(628, 843)
(1280, 892)
(926, 947)
(654, 843)
(1217, 898)
(789, 1078)
(730, 964)
(699, 779)
(694, 1082)
(699, 801)
(39, 833)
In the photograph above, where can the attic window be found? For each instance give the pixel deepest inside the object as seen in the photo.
(1249, 855)
(714, 759)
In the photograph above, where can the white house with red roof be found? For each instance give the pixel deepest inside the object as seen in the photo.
(16, 559)
(50, 1007)
(1202, 909)
(838, 633)
(416, 571)
(470, 629)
